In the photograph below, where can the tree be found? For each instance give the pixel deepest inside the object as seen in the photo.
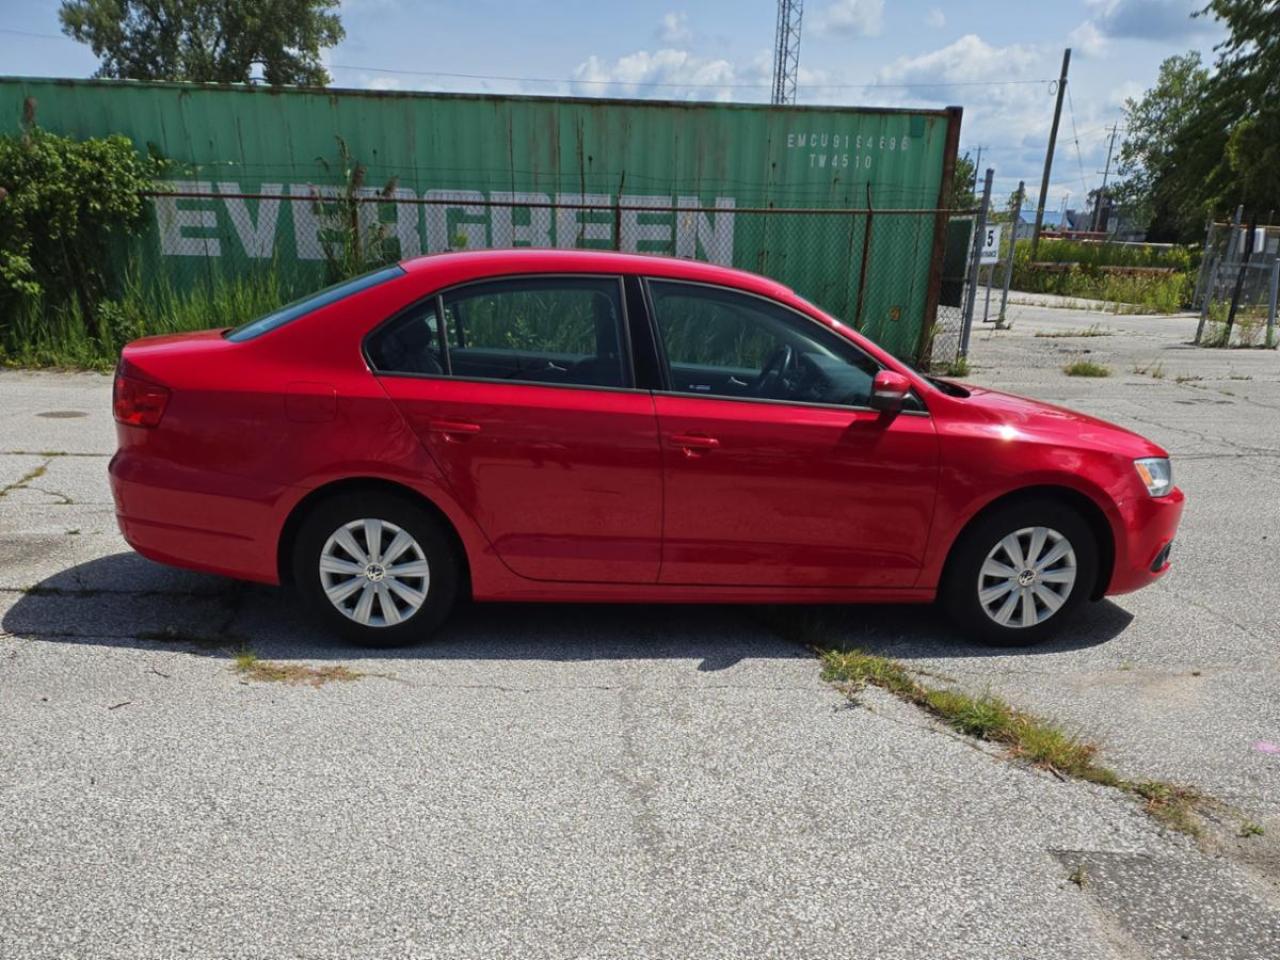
(962, 184)
(216, 41)
(1245, 96)
(1200, 143)
(1151, 186)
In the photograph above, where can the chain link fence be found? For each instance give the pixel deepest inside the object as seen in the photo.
(1238, 286)
(896, 274)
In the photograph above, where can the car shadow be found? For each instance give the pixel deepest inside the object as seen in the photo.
(123, 600)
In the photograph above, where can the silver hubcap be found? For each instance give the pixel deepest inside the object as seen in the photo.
(1027, 577)
(374, 572)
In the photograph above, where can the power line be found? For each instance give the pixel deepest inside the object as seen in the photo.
(42, 36)
(1071, 110)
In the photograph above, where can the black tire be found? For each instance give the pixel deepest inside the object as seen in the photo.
(437, 548)
(959, 593)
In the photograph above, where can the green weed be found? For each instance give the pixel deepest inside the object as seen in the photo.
(1086, 368)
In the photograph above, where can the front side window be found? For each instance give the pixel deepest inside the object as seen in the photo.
(311, 302)
(557, 330)
(727, 344)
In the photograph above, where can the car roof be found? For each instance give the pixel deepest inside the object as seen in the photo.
(472, 264)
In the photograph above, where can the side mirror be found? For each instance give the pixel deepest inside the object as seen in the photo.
(889, 391)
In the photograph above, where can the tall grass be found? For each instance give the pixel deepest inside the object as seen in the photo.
(37, 335)
(1085, 278)
(1088, 254)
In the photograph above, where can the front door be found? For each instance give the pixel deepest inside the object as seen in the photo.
(530, 414)
(777, 472)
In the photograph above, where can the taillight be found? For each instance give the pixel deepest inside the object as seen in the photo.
(139, 403)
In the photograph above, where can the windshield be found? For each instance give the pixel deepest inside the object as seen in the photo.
(313, 301)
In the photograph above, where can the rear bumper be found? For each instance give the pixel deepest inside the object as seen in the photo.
(1144, 540)
(213, 523)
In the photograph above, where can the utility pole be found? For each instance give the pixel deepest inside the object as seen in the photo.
(1048, 156)
(786, 51)
(1102, 192)
(977, 165)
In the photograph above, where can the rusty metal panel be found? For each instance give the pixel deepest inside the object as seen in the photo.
(726, 160)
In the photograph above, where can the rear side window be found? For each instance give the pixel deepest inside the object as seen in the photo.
(314, 301)
(410, 343)
(556, 330)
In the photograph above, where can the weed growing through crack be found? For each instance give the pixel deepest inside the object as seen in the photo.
(1079, 876)
(1153, 370)
(1172, 805)
(959, 367)
(249, 665)
(1024, 735)
(1251, 829)
(1096, 330)
(22, 482)
(1086, 368)
(987, 717)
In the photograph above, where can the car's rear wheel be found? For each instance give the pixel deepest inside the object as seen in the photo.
(376, 569)
(1016, 574)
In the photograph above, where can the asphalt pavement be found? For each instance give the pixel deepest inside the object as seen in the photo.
(590, 781)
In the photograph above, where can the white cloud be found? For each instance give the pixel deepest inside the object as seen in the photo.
(1010, 120)
(675, 28)
(1125, 91)
(1088, 40)
(1147, 19)
(967, 60)
(935, 18)
(666, 73)
(864, 17)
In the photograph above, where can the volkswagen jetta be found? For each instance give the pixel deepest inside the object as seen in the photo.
(541, 425)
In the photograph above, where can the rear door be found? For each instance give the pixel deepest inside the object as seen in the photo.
(530, 412)
(777, 471)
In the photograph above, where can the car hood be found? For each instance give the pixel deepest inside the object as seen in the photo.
(1053, 424)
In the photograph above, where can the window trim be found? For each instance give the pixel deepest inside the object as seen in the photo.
(392, 271)
(667, 389)
(624, 334)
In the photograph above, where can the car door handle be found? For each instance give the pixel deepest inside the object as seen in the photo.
(455, 430)
(694, 444)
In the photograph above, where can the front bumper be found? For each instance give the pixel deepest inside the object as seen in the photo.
(1144, 540)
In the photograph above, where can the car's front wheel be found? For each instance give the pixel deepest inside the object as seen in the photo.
(1018, 573)
(376, 569)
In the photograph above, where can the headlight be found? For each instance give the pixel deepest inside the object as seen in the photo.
(1156, 473)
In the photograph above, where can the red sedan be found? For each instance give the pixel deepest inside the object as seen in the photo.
(583, 426)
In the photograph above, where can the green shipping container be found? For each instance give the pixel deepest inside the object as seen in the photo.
(715, 181)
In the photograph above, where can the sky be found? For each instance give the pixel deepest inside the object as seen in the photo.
(997, 59)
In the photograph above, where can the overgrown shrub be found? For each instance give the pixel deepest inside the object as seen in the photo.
(1076, 271)
(63, 202)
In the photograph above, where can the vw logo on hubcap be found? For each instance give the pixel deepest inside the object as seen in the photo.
(1026, 578)
(374, 572)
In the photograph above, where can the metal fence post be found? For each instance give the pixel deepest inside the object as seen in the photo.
(975, 262)
(1013, 249)
(1275, 294)
(1212, 288)
(986, 304)
(1201, 274)
(1240, 275)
